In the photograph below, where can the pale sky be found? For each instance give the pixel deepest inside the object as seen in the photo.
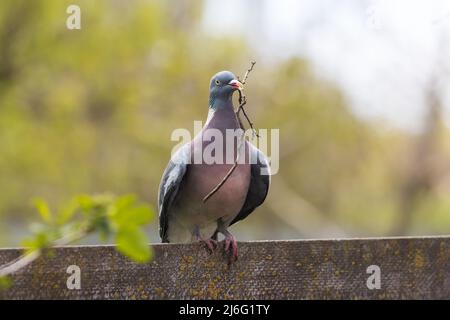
(380, 53)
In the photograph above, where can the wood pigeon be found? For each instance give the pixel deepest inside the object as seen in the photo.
(184, 216)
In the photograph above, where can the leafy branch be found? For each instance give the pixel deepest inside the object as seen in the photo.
(119, 217)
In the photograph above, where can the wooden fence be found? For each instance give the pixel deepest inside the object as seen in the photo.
(390, 268)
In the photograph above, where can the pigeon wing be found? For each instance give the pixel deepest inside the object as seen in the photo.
(259, 184)
(169, 186)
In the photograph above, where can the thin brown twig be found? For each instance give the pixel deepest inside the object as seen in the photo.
(242, 102)
(248, 72)
(216, 188)
(241, 108)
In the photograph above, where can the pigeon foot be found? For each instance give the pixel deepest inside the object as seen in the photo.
(231, 247)
(210, 244)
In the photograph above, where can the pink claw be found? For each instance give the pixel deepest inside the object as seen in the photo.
(231, 247)
(211, 244)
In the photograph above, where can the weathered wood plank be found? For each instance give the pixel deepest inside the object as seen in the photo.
(411, 268)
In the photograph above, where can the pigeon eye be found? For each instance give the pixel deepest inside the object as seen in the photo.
(217, 82)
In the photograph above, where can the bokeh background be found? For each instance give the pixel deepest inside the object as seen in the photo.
(360, 91)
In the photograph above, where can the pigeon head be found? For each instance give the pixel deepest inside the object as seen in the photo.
(221, 88)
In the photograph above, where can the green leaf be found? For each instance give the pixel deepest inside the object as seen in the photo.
(5, 283)
(67, 212)
(133, 243)
(103, 227)
(43, 210)
(124, 202)
(133, 216)
(85, 202)
(140, 215)
(39, 241)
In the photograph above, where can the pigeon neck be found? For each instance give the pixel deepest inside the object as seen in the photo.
(222, 116)
(217, 103)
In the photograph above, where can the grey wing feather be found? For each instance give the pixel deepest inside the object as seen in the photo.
(259, 184)
(168, 188)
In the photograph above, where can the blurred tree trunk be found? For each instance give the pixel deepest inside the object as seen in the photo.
(421, 172)
(16, 20)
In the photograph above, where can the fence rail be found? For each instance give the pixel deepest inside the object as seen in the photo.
(389, 268)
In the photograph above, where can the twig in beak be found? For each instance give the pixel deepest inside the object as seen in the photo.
(243, 101)
(247, 72)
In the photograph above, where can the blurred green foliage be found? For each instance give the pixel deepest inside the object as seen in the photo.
(92, 110)
(119, 218)
(5, 283)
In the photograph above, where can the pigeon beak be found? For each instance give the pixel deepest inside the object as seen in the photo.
(236, 84)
